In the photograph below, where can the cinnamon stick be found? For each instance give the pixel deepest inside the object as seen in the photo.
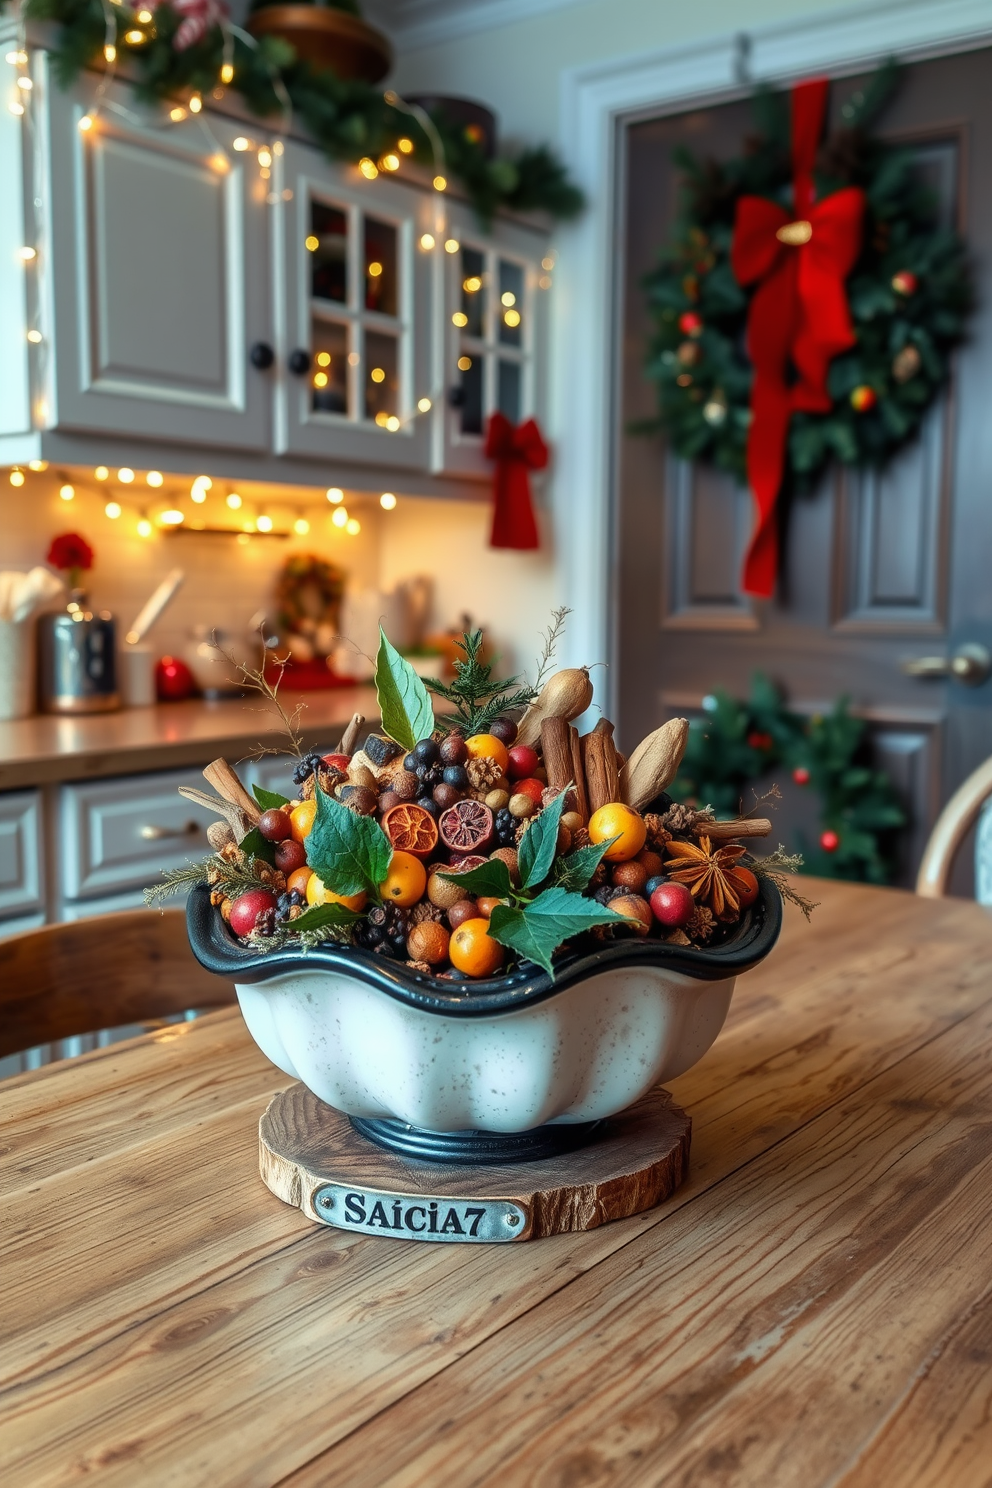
(226, 783)
(236, 819)
(578, 773)
(729, 831)
(596, 764)
(557, 752)
(350, 736)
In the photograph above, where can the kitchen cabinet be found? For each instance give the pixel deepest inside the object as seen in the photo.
(200, 284)
(22, 856)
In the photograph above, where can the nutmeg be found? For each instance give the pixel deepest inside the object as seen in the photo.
(522, 806)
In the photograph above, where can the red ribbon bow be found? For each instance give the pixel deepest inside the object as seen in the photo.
(798, 319)
(516, 451)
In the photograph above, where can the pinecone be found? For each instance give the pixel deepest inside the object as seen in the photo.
(701, 924)
(483, 773)
(658, 833)
(680, 818)
(424, 911)
(580, 838)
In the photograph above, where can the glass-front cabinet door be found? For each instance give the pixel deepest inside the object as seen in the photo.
(353, 290)
(490, 342)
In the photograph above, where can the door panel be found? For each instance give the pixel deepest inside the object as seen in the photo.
(157, 252)
(879, 567)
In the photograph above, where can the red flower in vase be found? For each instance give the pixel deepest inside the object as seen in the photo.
(70, 551)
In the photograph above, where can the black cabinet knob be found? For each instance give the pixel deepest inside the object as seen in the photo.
(262, 356)
(299, 362)
(456, 397)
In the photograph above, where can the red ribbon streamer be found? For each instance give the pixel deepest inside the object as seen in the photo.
(517, 451)
(798, 319)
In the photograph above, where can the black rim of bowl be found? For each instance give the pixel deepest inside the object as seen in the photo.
(217, 949)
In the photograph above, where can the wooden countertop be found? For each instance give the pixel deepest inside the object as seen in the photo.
(46, 748)
(812, 1307)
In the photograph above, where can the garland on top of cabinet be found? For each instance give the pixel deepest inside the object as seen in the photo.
(182, 51)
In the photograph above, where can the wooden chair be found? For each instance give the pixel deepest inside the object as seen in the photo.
(104, 972)
(952, 826)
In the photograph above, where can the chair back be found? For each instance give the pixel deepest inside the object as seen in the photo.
(97, 973)
(952, 826)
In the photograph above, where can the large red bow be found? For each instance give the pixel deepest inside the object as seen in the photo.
(798, 319)
(516, 451)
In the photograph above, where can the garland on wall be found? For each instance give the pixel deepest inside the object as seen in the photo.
(808, 305)
(738, 743)
(180, 51)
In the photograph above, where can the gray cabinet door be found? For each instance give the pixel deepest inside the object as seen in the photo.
(352, 289)
(154, 258)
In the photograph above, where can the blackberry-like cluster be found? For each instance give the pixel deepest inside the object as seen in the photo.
(385, 930)
(308, 764)
(287, 902)
(506, 828)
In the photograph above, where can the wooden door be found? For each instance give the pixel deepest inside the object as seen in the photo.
(879, 569)
(154, 256)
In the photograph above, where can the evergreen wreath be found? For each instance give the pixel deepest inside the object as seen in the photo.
(737, 743)
(908, 294)
(349, 120)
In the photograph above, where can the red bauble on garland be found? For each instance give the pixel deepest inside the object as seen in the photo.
(829, 841)
(801, 775)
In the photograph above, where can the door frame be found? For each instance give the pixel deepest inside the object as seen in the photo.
(597, 101)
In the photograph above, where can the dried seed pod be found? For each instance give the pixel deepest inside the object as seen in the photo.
(566, 694)
(361, 775)
(522, 806)
(654, 763)
(496, 799)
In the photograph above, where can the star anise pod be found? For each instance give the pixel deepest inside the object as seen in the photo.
(707, 873)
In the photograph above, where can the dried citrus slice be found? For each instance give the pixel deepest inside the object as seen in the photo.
(411, 828)
(467, 826)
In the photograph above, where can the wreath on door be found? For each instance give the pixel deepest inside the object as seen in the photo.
(808, 305)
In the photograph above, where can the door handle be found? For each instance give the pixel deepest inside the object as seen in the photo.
(155, 834)
(970, 664)
(298, 362)
(262, 356)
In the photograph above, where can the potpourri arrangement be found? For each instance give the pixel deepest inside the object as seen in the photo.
(471, 842)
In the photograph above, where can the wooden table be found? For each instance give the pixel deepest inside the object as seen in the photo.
(813, 1307)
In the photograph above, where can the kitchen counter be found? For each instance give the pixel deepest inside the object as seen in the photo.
(46, 748)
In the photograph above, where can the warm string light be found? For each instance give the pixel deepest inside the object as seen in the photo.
(155, 478)
(368, 168)
(67, 492)
(125, 476)
(113, 510)
(17, 477)
(301, 526)
(427, 241)
(264, 523)
(335, 495)
(387, 501)
(233, 501)
(340, 516)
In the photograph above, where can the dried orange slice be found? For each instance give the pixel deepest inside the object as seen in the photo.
(411, 828)
(467, 826)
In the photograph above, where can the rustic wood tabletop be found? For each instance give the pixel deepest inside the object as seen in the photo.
(813, 1306)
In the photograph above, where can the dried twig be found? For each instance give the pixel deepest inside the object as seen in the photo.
(774, 867)
(552, 636)
(255, 679)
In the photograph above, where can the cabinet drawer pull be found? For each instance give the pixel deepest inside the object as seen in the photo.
(155, 834)
(299, 362)
(262, 356)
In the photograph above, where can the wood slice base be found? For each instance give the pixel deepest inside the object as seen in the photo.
(311, 1156)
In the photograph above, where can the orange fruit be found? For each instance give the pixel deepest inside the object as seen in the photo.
(622, 822)
(473, 950)
(405, 882)
(301, 819)
(411, 829)
(487, 746)
(636, 910)
(745, 885)
(299, 878)
(318, 894)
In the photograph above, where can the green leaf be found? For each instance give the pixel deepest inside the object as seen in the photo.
(254, 845)
(491, 879)
(349, 853)
(536, 852)
(574, 872)
(319, 915)
(537, 931)
(407, 715)
(269, 800)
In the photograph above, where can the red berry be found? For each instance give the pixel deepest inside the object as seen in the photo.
(672, 905)
(829, 841)
(904, 282)
(247, 907)
(691, 324)
(290, 855)
(523, 762)
(275, 824)
(337, 762)
(532, 788)
(801, 775)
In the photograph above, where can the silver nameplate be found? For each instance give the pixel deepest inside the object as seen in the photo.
(418, 1216)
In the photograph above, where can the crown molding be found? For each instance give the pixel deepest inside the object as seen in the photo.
(413, 24)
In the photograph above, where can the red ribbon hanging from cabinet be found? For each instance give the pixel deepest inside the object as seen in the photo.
(516, 451)
(798, 319)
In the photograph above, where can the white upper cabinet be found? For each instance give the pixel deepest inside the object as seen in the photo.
(153, 249)
(352, 291)
(491, 335)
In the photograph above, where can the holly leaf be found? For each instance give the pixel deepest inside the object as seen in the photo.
(536, 931)
(254, 845)
(319, 915)
(349, 853)
(491, 879)
(269, 800)
(536, 852)
(404, 703)
(574, 872)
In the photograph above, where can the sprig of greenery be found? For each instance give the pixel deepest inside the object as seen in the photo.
(774, 866)
(552, 636)
(233, 877)
(476, 695)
